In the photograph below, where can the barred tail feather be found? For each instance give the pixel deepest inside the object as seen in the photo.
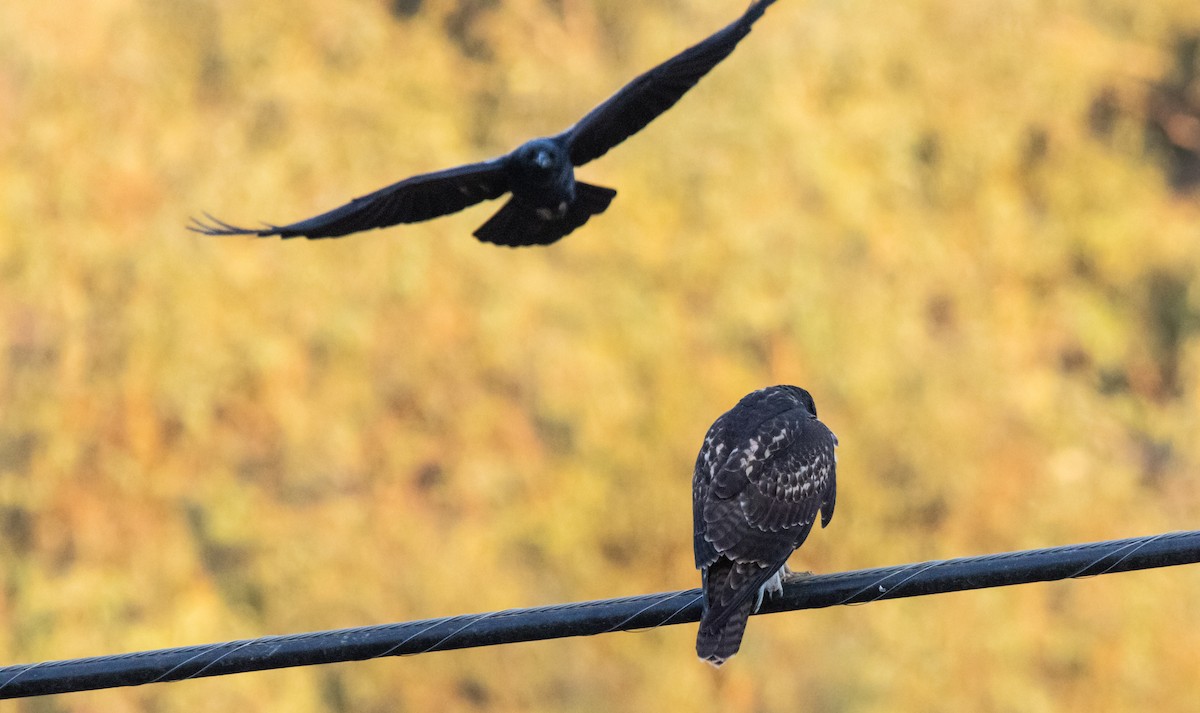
(732, 591)
(717, 641)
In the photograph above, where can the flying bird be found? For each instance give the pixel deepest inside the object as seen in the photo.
(766, 468)
(547, 202)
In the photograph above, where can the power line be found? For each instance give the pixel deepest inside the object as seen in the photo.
(594, 617)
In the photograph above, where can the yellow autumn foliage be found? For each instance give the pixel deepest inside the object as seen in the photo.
(943, 218)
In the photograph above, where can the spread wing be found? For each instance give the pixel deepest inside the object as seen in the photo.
(412, 200)
(755, 502)
(650, 94)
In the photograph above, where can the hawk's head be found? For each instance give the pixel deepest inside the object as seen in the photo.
(802, 397)
(775, 400)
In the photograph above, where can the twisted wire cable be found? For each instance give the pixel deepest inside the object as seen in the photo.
(593, 617)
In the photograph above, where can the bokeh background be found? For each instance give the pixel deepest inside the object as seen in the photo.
(971, 229)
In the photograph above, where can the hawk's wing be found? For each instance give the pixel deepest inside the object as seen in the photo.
(412, 200)
(651, 93)
(755, 502)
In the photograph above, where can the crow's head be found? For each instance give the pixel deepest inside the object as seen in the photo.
(542, 157)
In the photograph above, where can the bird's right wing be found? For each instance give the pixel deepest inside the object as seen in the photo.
(638, 103)
(412, 200)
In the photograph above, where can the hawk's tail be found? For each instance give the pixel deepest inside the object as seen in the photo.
(716, 642)
(517, 224)
(731, 593)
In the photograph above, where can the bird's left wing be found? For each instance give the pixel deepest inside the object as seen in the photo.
(637, 104)
(412, 200)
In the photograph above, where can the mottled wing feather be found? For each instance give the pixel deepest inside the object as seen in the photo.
(780, 476)
(786, 492)
(638, 103)
(412, 200)
(830, 497)
(706, 464)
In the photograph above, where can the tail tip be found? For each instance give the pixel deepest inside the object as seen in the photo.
(714, 660)
(715, 651)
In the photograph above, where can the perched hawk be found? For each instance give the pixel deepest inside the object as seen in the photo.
(547, 202)
(765, 469)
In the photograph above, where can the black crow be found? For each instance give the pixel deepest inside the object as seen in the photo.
(547, 202)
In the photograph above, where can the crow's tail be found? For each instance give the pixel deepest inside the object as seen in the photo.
(518, 224)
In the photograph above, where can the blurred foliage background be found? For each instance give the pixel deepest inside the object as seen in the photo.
(971, 229)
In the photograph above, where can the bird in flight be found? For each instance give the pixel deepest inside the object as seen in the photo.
(547, 202)
(766, 468)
